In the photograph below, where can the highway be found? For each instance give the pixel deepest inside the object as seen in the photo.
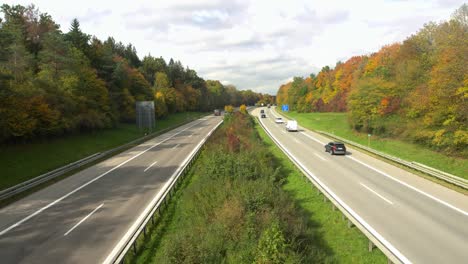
(82, 218)
(423, 221)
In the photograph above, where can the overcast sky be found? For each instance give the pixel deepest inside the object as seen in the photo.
(256, 45)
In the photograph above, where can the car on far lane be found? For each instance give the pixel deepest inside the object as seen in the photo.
(335, 148)
(279, 120)
(263, 116)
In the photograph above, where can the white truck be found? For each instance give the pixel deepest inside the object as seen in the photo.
(291, 125)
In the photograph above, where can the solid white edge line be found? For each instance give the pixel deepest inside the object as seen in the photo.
(399, 181)
(411, 187)
(122, 241)
(387, 244)
(151, 165)
(374, 192)
(82, 220)
(89, 182)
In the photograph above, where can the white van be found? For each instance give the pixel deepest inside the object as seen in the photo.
(291, 125)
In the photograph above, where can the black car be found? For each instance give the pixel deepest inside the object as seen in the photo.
(262, 111)
(263, 116)
(335, 148)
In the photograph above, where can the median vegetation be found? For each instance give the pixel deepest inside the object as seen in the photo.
(235, 207)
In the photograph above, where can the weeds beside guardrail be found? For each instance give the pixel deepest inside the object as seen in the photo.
(140, 226)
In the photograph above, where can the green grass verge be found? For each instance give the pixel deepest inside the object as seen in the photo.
(22, 162)
(348, 244)
(337, 123)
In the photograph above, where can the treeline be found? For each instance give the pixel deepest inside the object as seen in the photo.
(53, 83)
(235, 210)
(417, 90)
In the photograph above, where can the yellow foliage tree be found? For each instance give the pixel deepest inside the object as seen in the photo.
(229, 109)
(243, 109)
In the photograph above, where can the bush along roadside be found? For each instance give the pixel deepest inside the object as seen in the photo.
(233, 209)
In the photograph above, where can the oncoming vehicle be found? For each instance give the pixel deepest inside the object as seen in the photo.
(279, 120)
(335, 148)
(217, 112)
(263, 116)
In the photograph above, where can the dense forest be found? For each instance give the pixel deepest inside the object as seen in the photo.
(415, 90)
(53, 83)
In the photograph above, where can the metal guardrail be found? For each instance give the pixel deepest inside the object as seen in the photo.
(29, 184)
(450, 178)
(128, 242)
(460, 182)
(375, 239)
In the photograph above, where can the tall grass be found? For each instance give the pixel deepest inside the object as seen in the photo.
(235, 210)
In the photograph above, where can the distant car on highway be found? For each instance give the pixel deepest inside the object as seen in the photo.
(217, 112)
(279, 120)
(263, 116)
(262, 111)
(335, 148)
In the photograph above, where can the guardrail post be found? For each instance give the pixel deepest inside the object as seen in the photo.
(324, 199)
(350, 224)
(333, 207)
(389, 261)
(134, 248)
(371, 246)
(144, 231)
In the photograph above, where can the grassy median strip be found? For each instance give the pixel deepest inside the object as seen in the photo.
(21, 162)
(348, 244)
(244, 202)
(336, 123)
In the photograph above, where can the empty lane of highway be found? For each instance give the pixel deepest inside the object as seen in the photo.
(82, 218)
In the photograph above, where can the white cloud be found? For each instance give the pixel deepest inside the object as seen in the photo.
(255, 45)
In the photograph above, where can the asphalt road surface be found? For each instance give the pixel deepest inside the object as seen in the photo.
(425, 222)
(82, 218)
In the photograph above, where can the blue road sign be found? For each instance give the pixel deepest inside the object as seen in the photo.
(285, 108)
